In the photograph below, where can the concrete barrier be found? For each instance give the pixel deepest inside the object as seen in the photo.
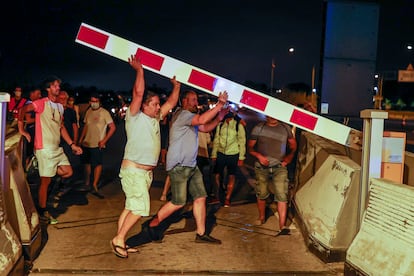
(313, 151)
(384, 244)
(326, 196)
(11, 257)
(328, 206)
(21, 211)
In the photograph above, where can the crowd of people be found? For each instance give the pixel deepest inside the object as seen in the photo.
(185, 142)
(51, 133)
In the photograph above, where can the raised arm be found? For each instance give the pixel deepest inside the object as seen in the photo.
(172, 99)
(209, 126)
(208, 116)
(139, 85)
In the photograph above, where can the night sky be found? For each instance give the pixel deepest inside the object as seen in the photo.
(233, 39)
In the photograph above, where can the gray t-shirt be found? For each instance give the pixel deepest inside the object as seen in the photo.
(143, 139)
(271, 141)
(183, 144)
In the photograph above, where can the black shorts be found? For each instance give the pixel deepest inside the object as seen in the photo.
(92, 156)
(229, 161)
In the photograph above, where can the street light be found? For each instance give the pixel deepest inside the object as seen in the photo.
(409, 48)
(291, 51)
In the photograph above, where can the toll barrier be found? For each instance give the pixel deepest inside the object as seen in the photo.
(208, 82)
(384, 244)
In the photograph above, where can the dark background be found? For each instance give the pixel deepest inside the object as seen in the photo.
(233, 39)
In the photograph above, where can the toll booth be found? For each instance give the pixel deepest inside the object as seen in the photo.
(393, 156)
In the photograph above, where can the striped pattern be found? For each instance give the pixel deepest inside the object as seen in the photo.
(208, 82)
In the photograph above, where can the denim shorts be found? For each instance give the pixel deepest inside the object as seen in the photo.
(273, 179)
(179, 177)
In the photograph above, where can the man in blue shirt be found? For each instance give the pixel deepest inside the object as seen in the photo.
(182, 161)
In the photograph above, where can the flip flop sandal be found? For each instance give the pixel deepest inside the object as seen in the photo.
(132, 249)
(114, 248)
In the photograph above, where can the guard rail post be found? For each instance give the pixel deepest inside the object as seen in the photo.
(373, 131)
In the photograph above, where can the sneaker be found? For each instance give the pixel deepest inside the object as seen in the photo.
(83, 188)
(206, 239)
(96, 193)
(152, 232)
(283, 232)
(47, 218)
(227, 203)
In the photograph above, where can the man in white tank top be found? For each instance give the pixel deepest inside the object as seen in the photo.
(141, 155)
(49, 129)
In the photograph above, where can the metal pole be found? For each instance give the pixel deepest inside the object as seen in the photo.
(373, 133)
(4, 99)
(313, 78)
(272, 76)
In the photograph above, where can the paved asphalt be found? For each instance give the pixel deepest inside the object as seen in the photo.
(79, 243)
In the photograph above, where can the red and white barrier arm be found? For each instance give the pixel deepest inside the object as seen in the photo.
(208, 82)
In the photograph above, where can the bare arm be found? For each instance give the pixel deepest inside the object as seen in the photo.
(172, 99)
(209, 126)
(207, 116)
(108, 135)
(75, 132)
(27, 117)
(292, 145)
(139, 85)
(215, 143)
(84, 129)
(20, 122)
(65, 135)
(261, 158)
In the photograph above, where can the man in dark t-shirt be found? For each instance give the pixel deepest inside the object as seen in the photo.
(273, 146)
(70, 122)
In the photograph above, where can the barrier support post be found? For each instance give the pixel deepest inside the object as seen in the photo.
(4, 99)
(373, 131)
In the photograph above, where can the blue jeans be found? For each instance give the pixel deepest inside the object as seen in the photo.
(179, 177)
